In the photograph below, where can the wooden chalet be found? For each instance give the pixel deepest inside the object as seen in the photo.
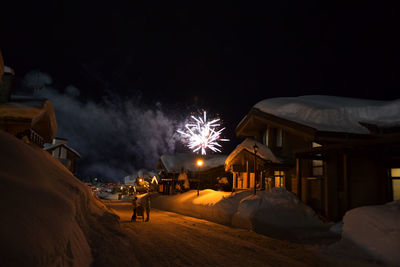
(334, 153)
(28, 118)
(253, 165)
(203, 177)
(60, 150)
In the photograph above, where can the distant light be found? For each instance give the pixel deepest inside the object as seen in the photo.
(200, 162)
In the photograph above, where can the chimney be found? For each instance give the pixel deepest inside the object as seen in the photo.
(6, 77)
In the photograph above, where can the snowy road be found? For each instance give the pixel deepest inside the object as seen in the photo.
(171, 239)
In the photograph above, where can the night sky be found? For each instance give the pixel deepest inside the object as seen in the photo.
(223, 57)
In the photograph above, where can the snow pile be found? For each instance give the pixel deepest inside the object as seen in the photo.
(331, 113)
(278, 208)
(50, 218)
(263, 151)
(210, 205)
(376, 229)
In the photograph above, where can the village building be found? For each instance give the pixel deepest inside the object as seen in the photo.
(253, 165)
(334, 153)
(202, 172)
(143, 180)
(28, 118)
(60, 150)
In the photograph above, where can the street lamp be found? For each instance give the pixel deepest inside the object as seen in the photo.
(255, 147)
(199, 163)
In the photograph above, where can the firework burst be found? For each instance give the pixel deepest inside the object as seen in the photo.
(201, 134)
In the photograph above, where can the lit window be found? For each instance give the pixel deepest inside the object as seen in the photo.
(316, 144)
(395, 173)
(279, 178)
(317, 165)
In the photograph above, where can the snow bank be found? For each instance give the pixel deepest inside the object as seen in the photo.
(332, 113)
(50, 218)
(277, 209)
(376, 229)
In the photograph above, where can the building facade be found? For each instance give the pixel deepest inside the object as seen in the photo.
(328, 155)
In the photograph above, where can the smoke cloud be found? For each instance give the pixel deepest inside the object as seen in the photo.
(115, 137)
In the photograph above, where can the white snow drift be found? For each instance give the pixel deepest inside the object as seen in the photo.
(50, 218)
(279, 213)
(277, 209)
(376, 229)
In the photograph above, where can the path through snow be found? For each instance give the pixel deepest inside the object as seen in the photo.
(171, 239)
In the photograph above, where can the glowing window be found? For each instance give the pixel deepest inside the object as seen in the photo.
(317, 164)
(279, 178)
(395, 173)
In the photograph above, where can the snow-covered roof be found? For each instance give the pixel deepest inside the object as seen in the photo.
(263, 151)
(333, 113)
(142, 173)
(32, 111)
(23, 107)
(146, 173)
(174, 162)
(8, 70)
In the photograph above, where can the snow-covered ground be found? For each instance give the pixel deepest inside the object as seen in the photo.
(172, 239)
(278, 213)
(376, 229)
(49, 217)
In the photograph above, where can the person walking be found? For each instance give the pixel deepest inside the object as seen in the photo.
(147, 207)
(134, 207)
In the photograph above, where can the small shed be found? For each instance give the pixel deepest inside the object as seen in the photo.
(60, 150)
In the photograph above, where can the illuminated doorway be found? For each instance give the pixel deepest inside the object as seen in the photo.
(395, 174)
(279, 178)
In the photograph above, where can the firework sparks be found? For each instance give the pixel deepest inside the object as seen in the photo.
(201, 134)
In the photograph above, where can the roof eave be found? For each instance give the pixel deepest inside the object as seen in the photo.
(274, 120)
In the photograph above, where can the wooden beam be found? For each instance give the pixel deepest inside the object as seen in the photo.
(345, 182)
(298, 176)
(245, 126)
